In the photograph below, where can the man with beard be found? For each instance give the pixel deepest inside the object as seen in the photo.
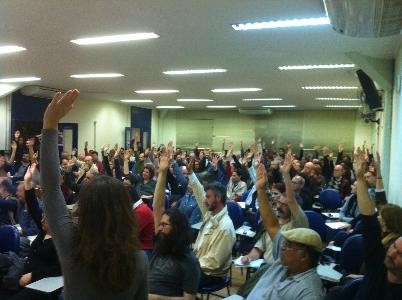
(174, 270)
(383, 276)
(216, 237)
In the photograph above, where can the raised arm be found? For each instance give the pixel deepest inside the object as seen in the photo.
(13, 151)
(196, 186)
(30, 198)
(159, 195)
(267, 214)
(57, 215)
(366, 205)
(291, 199)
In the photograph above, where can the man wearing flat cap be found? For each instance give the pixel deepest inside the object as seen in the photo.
(296, 252)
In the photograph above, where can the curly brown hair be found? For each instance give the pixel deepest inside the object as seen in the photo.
(107, 238)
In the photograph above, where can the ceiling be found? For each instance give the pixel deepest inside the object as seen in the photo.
(193, 34)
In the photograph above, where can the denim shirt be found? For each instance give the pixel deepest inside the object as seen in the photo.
(189, 206)
(276, 284)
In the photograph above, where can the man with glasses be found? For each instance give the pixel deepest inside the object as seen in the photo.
(296, 251)
(289, 215)
(174, 271)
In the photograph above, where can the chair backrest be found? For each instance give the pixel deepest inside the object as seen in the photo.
(235, 213)
(9, 239)
(358, 227)
(351, 257)
(351, 287)
(317, 223)
(330, 199)
(244, 196)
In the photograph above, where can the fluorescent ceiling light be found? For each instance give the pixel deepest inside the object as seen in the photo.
(221, 106)
(194, 100)
(312, 67)
(236, 90)
(99, 75)
(106, 39)
(279, 106)
(156, 91)
(264, 99)
(330, 87)
(343, 106)
(200, 71)
(11, 49)
(338, 99)
(6, 89)
(282, 23)
(170, 106)
(19, 79)
(136, 101)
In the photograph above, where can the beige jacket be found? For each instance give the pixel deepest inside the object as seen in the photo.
(216, 238)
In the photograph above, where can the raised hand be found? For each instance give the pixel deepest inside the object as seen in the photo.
(127, 154)
(58, 108)
(341, 148)
(164, 162)
(361, 163)
(261, 182)
(28, 176)
(190, 165)
(287, 164)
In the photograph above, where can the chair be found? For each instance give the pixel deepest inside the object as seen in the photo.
(330, 199)
(9, 239)
(351, 257)
(317, 223)
(211, 289)
(235, 213)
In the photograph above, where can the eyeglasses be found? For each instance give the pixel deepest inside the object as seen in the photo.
(296, 182)
(289, 245)
(163, 225)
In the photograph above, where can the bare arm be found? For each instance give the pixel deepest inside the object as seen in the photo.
(13, 150)
(267, 214)
(366, 206)
(159, 195)
(291, 200)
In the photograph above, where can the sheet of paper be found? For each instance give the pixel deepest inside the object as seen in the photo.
(337, 225)
(245, 231)
(334, 248)
(253, 264)
(242, 204)
(327, 272)
(48, 284)
(331, 215)
(196, 226)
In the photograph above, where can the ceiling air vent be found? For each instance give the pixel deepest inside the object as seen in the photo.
(40, 91)
(365, 18)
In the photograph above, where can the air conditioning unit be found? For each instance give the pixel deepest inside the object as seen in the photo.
(40, 91)
(254, 111)
(365, 18)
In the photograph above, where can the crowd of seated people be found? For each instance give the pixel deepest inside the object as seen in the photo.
(134, 201)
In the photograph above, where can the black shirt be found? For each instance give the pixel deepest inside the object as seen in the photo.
(375, 284)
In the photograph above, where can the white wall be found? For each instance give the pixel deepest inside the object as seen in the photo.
(394, 184)
(111, 119)
(5, 122)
